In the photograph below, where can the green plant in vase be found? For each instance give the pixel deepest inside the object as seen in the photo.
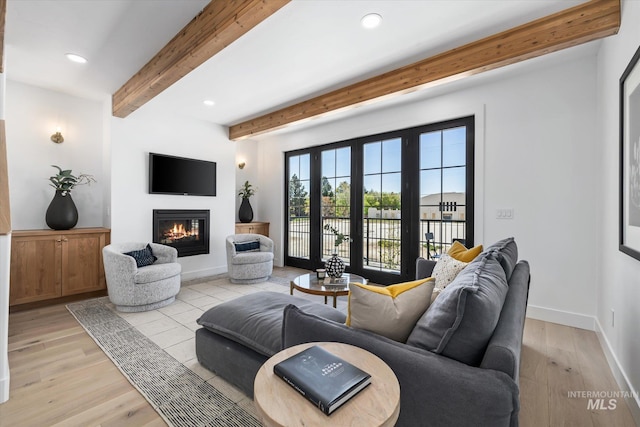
(335, 265)
(62, 213)
(245, 213)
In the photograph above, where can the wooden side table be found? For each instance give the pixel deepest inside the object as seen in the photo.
(278, 404)
(310, 284)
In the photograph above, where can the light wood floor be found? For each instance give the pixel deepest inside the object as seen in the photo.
(59, 377)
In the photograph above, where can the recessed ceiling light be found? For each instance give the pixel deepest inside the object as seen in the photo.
(209, 103)
(371, 20)
(76, 58)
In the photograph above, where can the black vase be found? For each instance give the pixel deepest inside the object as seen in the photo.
(245, 214)
(62, 213)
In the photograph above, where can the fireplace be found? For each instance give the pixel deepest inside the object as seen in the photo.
(185, 230)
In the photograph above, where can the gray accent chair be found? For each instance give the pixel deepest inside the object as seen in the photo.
(134, 289)
(249, 267)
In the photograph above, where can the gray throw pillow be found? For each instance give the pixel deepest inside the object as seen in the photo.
(461, 321)
(507, 254)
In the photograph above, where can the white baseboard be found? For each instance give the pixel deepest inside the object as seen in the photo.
(576, 320)
(191, 275)
(4, 384)
(618, 373)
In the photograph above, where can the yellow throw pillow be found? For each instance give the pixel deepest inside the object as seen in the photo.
(461, 253)
(391, 311)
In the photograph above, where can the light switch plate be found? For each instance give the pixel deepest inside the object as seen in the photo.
(504, 213)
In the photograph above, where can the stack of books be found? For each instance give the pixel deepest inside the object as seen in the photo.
(323, 378)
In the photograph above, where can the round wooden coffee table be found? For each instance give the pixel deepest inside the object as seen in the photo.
(278, 404)
(310, 284)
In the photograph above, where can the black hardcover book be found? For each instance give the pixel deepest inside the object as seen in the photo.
(322, 377)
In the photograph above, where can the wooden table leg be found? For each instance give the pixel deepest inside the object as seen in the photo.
(325, 300)
(290, 288)
(335, 298)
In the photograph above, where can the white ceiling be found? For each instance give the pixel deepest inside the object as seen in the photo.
(307, 48)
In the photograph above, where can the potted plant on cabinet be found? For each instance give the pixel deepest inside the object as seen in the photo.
(62, 213)
(245, 214)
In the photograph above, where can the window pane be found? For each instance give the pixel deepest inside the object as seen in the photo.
(454, 147)
(430, 150)
(391, 151)
(453, 180)
(304, 166)
(430, 182)
(372, 157)
(343, 162)
(329, 163)
(294, 166)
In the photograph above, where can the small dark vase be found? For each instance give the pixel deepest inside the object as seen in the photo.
(62, 213)
(245, 214)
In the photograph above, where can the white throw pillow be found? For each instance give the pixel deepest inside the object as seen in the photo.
(446, 269)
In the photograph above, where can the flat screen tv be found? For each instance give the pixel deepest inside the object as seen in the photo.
(179, 175)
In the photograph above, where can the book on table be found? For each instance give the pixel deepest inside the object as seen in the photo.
(323, 378)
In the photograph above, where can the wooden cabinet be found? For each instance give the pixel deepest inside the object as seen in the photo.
(48, 264)
(252, 228)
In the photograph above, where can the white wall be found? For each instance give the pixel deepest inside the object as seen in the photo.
(32, 116)
(5, 258)
(247, 152)
(536, 153)
(619, 274)
(132, 206)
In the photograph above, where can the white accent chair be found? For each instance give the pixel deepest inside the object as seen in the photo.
(134, 289)
(249, 266)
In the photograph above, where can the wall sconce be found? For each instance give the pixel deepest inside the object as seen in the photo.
(57, 137)
(241, 165)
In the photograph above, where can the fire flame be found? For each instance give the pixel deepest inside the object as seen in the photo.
(178, 232)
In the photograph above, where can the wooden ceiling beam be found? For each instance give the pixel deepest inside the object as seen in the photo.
(585, 22)
(219, 24)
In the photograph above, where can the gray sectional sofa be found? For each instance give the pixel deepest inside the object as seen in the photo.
(459, 367)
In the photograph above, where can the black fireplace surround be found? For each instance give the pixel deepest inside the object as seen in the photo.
(185, 230)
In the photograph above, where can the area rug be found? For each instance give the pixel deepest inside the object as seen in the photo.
(179, 395)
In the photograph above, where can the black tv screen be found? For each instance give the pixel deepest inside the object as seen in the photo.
(179, 175)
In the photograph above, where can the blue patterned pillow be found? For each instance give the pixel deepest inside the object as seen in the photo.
(143, 257)
(252, 246)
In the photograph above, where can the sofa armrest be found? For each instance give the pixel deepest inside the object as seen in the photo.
(505, 347)
(424, 268)
(434, 390)
(164, 253)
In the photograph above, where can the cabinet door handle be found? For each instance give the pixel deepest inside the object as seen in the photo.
(65, 239)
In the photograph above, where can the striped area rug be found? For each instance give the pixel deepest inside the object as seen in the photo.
(179, 395)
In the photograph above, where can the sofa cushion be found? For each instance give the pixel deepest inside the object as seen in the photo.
(461, 253)
(251, 258)
(155, 272)
(507, 253)
(143, 256)
(462, 319)
(391, 311)
(446, 270)
(255, 320)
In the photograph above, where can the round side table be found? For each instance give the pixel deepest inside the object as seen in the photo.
(278, 404)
